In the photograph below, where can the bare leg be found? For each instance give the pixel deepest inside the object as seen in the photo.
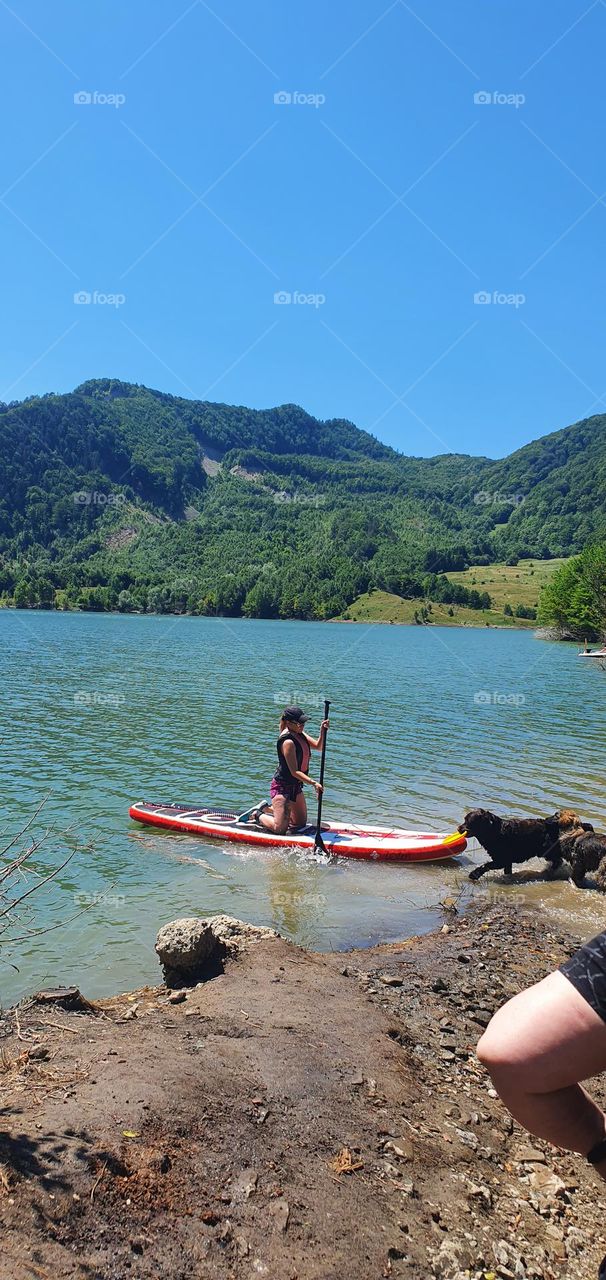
(537, 1048)
(298, 811)
(278, 821)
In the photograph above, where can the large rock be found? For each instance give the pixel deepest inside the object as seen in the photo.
(235, 935)
(193, 949)
(184, 943)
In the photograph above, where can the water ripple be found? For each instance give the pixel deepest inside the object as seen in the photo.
(101, 710)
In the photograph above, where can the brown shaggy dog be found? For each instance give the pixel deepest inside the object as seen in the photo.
(509, 840)
(586, 852)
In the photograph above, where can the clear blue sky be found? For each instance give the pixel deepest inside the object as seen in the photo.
(395, 200)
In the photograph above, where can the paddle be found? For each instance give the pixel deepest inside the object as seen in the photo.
(318, 842)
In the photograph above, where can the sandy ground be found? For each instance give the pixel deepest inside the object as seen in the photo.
(299, 1117)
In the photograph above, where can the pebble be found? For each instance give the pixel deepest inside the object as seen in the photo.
(391, 980)
(546, 1182)
(404, 1151)
(177, 997)
(279, 1210)
(468, 1139)
(244, 1185)
(530, 1155)
(482, 1194)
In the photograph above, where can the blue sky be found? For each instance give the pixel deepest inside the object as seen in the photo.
(380, 199)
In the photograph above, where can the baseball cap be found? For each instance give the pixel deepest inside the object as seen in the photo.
(294, 713)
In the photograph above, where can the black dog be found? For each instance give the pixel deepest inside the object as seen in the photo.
(587, 852)
(509, 840)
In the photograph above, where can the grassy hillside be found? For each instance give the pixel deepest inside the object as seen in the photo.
(510, 584)
(506, 584)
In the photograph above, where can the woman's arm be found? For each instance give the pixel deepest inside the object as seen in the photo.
(318, 743)
(290, 755)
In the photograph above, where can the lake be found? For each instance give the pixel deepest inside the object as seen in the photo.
(101, 710)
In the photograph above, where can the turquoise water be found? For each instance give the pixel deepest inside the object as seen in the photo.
(100, 710)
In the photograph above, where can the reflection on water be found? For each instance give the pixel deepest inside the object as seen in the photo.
(426, 723)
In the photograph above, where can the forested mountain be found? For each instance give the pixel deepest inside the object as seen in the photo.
(116, 496)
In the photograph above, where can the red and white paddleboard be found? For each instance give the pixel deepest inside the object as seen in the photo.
(343, 839)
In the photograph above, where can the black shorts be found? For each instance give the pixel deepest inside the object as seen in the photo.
(586, 969)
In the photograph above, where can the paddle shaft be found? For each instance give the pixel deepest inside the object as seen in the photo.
(319, 843)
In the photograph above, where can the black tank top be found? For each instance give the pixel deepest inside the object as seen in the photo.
(283, 773)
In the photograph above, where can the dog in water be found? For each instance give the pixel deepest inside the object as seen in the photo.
(509, 840)
(587, 852)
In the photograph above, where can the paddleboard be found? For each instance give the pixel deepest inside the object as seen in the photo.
(342, 839)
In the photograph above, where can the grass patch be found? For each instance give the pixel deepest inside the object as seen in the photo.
(509, 584)
(505, 584)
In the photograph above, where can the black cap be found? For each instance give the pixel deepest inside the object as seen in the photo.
(294, 713)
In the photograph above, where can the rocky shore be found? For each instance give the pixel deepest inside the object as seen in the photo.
(294, 1115)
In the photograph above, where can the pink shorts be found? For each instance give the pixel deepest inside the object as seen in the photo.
(290, 790)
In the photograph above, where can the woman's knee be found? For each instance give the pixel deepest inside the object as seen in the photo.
(501, 1048)
(493, 1049)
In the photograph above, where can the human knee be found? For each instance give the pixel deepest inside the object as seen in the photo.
(495, 1049)
(491, 1049)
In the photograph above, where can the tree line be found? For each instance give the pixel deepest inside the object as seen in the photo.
(574, 600)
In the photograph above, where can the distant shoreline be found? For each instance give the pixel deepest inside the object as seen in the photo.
(540, 633)
(230, 617)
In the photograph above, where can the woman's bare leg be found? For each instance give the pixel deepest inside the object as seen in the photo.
(279, 819)
(298, 811)
(537, 1049)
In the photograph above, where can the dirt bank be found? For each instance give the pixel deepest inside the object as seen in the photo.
(299, 1117)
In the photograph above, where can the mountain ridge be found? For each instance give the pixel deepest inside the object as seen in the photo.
(104, 495)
